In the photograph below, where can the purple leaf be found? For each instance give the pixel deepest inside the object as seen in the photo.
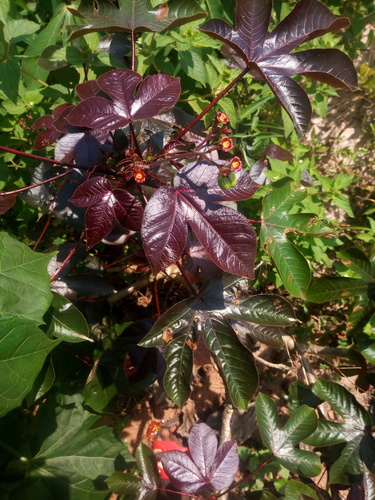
(100, 219)
(208, 466)
(155, 93)
(6, 202)
(225, 465)
(226, 235)
(268, 55)
(182, 471)
(91, 191)
(88, 89)
(132, 208)
(203, 447)
(164, 229)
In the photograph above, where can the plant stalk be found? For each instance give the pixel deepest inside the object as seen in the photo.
(207, 108)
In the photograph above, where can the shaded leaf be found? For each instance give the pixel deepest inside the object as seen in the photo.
(6, 202)
(67, 322)
(334, 288)
(134, 16)
(122, 483)
(220, 299)
(23, 350)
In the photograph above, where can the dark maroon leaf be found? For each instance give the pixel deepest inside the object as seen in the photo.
(198, 261)
(155, 93)
(6, 202)
(84, 148)
(268, 55)
(91, 191)
(100, 219)
(277, 153)
(164, 229)
(225, 234)
(208, 467)
(89, 89)
(106, 208)
(131, 208)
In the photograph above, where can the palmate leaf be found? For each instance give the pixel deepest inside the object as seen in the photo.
(133, 16)
(359, 451)
(277, 223)
(282, 442)
(208, 314)
(154, 93)
(225, 234)
(268, 56)
(208, 467)
(105, 208)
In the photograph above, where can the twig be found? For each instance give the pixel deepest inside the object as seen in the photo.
(226, 432)
(278, 366)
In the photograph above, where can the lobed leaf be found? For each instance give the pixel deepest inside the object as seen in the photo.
(268, 56)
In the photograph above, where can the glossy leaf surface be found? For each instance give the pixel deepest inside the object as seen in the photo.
(268, 55)
(67, 322)
(282, 441)
(219, 300)
(154, 93)
(225, 234)
(360, 448)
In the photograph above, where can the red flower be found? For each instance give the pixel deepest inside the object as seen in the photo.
(139, 176)
(226, 143)
(236, 164)
(222, 117)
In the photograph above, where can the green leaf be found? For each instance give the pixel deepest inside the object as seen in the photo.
(10, 75)
(335, 288)
(342, 201)
(42, 384)
(134, 16)
(349, 467)
(124, 484)
(24, 281)
(344, 403)
(23, 349)
(147, 465)
(360, 448)
(277, 223)
(296, 490)
(221, 298)
(235, 362)
(282, 442)
(193, 65)
(357, 261)
(260, 495)
(18, 30)
(179, 358)
(67, 322)
(74, 457)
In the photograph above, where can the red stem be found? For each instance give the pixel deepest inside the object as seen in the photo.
(67, 258)
(207, 108)
(43, 232)
(6, 193)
